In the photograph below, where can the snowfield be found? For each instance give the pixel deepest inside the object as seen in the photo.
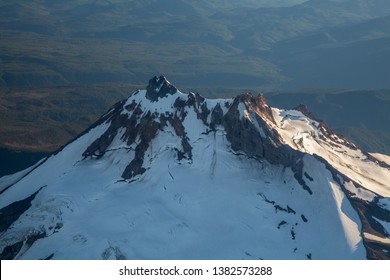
(382, 157)
(302, 133)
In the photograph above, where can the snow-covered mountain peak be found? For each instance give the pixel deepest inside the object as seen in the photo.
(159, 87)
(199, 178)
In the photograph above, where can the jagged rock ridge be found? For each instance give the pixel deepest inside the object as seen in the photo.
(243, 134)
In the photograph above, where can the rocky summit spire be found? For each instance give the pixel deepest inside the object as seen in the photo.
(159, 87)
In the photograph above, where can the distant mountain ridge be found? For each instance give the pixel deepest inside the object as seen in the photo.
(50, 43)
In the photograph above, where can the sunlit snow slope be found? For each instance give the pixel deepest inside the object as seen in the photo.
(167, 175)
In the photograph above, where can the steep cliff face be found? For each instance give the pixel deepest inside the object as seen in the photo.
(179, 170)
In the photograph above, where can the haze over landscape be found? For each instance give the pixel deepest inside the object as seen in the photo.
(321, 68)
(329, 44)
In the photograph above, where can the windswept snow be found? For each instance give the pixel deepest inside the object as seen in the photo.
(53, 170)
(359, 192)
(384, 203)
(9, 180)
(347, 216)
(302, 134)
(376, 238)
(382, 157)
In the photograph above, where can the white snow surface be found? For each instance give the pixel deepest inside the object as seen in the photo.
(382, 157)
(377, 238)
(217, 206)
(9, 180)
(384, 203)
(302, 133)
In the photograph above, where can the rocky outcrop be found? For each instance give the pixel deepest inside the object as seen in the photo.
(147, 130)
(100, 145)
(159, 87)
(258, 105)
(12, 250)
(140, 128)
(244, 135)
(12, 212)
(305, 111)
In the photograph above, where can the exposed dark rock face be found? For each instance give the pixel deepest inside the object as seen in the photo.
(292, 234)
(242, 134)
(159, 87)
(282, 223)
(308, 177)
(140, 128)
(11, 251)
(374, 159)
(100, 145)
(257, 104)
(204, 113)
(377, 250)
(113, 252)
(216, 117)
(290, 210)
(298, 175)
(368, 213)
(49, 257)
(266, 199)
(304, 110)
(147, 130)
(12, 212)
(198, 104)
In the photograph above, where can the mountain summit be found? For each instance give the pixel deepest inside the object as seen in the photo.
(168, 175)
